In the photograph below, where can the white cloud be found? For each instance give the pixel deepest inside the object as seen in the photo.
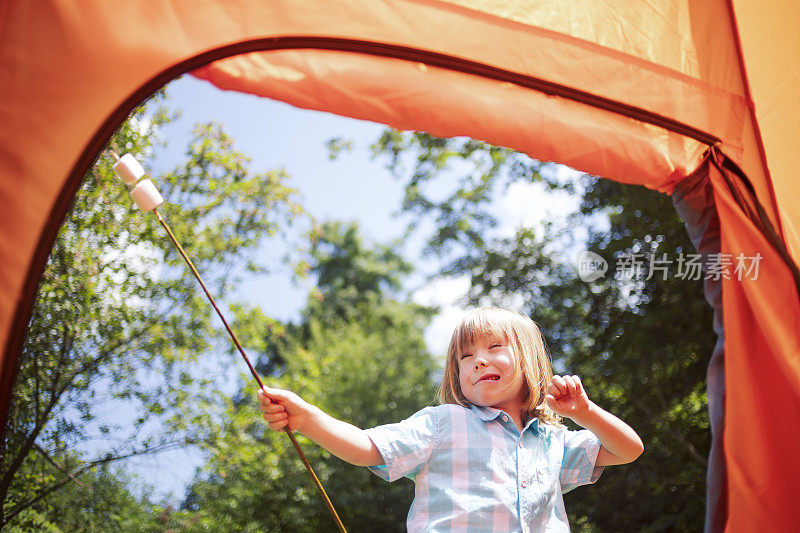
(438, 334)
(564, 174)
(442, 291)
(447, 294)
(528, 204)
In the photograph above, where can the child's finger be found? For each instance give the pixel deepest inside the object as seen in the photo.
(551, 401)
(558, 381)
(276, 426)
(280, 396)
(272, 408)
(572, 390)
(578, 383)
(275, 417)
(553, 390)
(264, 397)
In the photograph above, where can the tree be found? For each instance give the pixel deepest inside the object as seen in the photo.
(359, 354)
(97, 500)
(640, 345)
(648, 359)
(117, 323)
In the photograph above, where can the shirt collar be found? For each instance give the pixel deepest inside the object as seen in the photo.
(487, 414)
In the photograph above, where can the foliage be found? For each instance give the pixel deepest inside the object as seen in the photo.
(97, 500)
(357, 353)
(452, 182)
(105, 371)
(648, 360)
(640, 345)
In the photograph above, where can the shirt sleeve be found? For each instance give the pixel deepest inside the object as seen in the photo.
(405, 446)
(580, 455)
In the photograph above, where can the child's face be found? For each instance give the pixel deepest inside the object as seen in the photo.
(487, 375)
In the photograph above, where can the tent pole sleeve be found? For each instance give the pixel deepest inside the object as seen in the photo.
(751, 206)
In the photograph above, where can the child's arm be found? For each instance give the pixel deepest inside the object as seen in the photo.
(345, 441)
(619, 442)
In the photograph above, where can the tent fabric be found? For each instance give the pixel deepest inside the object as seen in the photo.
(693, 199)
(632, 91)
(762, 375)
(400, 93)
(770, 46)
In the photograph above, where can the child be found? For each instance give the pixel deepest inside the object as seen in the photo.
(493, 456)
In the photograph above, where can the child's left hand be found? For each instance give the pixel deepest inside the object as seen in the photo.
(567, 397)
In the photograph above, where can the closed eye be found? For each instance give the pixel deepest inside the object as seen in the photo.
(495, 345)
(464, 356)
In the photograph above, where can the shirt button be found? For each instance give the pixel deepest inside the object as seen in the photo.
(505, 418)
(524, 484)
(520, 443)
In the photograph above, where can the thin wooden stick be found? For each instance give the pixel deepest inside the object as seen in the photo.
(252, 370)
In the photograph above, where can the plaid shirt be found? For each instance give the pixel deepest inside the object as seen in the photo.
(474, 472)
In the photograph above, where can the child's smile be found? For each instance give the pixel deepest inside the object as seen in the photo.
(488, 377)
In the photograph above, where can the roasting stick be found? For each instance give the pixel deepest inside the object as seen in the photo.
(147, 198)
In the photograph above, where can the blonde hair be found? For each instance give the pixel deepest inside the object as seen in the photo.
(526, 343)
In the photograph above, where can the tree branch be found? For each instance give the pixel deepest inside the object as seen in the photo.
(55, 394)
(59, 467)
(680, 438)
(71, 477)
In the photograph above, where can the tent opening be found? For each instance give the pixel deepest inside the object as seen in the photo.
(146, 255)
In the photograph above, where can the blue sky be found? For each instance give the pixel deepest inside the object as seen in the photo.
(277, 135)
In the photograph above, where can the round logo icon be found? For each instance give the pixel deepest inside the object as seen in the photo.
(591, 266)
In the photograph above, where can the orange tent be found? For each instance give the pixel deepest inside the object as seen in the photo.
(694, 99)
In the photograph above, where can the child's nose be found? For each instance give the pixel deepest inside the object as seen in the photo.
(479, 364)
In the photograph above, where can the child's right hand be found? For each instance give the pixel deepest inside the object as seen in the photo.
(283, 407)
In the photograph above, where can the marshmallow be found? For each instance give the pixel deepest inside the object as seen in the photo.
(128, 169)
(146, 195)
